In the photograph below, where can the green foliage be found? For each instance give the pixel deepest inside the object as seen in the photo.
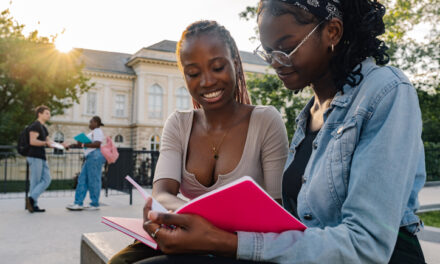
(33, 72)
(268, 89)
(420, 59)
(432, 154)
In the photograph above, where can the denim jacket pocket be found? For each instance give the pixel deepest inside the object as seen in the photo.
(342, 145)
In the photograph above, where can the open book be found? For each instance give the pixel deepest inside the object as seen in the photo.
(241, 205)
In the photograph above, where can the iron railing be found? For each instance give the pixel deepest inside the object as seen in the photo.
(432, 159)
(65, 167)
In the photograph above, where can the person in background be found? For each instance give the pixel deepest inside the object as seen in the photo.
(222, 139)
(36, 157)
(357, 151)
(90, 178)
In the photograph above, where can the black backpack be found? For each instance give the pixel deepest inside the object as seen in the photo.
(23, 145)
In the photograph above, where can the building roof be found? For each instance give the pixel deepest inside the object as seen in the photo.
(105, 61)
(170, 46)
(115, 62)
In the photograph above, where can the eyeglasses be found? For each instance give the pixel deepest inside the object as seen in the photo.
(279, 56)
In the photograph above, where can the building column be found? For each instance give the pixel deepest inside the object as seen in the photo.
(107, 103)
(170, 96)
(141, 99)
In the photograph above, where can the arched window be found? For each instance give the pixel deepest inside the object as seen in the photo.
(91, 107)
(119, 139)
(58, 137)
(182, 99)
(155, 102)
(155, 142)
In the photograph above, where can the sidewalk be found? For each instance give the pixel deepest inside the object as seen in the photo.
(54, 236)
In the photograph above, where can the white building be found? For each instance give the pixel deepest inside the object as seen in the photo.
(133, 94)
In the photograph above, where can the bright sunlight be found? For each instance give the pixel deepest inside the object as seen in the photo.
(63, 44)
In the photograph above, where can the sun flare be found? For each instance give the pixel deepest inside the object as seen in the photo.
(63, 44)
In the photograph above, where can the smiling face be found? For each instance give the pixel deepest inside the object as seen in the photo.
(209, 70)
(310, 63)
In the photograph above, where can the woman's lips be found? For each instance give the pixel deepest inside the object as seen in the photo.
(285, 75)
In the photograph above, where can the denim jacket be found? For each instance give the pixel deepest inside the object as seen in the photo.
(362, 180)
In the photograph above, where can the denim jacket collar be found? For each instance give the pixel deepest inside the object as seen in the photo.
(340, 99)
(345, 98)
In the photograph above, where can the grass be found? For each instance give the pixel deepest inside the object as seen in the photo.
(431, 218)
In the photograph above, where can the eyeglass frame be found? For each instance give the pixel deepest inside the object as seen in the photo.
(269, 57)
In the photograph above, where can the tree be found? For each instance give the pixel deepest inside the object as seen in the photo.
(420, 60)
(33, 72)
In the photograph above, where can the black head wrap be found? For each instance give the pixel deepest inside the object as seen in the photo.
(322, 9)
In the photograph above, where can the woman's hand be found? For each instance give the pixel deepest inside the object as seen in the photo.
(189, 234)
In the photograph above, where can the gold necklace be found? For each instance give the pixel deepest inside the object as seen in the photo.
(215, 148)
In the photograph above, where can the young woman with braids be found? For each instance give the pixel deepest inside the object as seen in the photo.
(223, 139)
(356, 161)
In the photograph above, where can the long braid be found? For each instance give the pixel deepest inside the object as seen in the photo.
(207, 26)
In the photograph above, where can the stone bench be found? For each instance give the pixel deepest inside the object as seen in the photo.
(98, 248)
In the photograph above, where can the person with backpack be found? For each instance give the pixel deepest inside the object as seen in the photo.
(90, 176)
(36, 157)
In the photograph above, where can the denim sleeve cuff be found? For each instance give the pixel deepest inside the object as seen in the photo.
(250, 245)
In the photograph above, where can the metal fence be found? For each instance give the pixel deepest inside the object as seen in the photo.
(139, 164)
(432, 158)
(65, 167)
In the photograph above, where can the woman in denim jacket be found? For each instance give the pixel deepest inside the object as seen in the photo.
(356, 159)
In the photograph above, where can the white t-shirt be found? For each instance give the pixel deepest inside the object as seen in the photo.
(95, 135)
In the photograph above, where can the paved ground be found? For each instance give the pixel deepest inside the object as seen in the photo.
(54, 236)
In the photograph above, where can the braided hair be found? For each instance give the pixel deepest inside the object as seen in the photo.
(206, 26)
(363, 23)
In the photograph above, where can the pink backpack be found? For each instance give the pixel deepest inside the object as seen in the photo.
(109, 151)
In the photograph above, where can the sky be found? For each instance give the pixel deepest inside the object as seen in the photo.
(127, 25)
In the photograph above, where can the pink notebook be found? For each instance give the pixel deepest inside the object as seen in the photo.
(131, 227)
(241, 205)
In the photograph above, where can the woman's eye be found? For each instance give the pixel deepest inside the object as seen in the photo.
(193, 75)
(217, 69)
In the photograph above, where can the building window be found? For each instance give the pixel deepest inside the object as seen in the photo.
(155, 142)
(120, 105)
(119, 139)
(182, 99)
(59, 138)
(91, 103)
(155, 102)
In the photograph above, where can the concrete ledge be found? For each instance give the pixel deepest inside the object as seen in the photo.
(428, 208)
(430, 234)
(100, 247)
(432, 183)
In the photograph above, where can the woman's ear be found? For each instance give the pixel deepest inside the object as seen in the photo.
(333, 32)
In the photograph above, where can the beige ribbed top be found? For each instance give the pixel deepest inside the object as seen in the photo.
(263, 157)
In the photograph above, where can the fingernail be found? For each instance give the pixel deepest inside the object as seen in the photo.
(152, 215)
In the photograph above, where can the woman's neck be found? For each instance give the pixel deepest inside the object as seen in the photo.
(324, 90)
(220, 119)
